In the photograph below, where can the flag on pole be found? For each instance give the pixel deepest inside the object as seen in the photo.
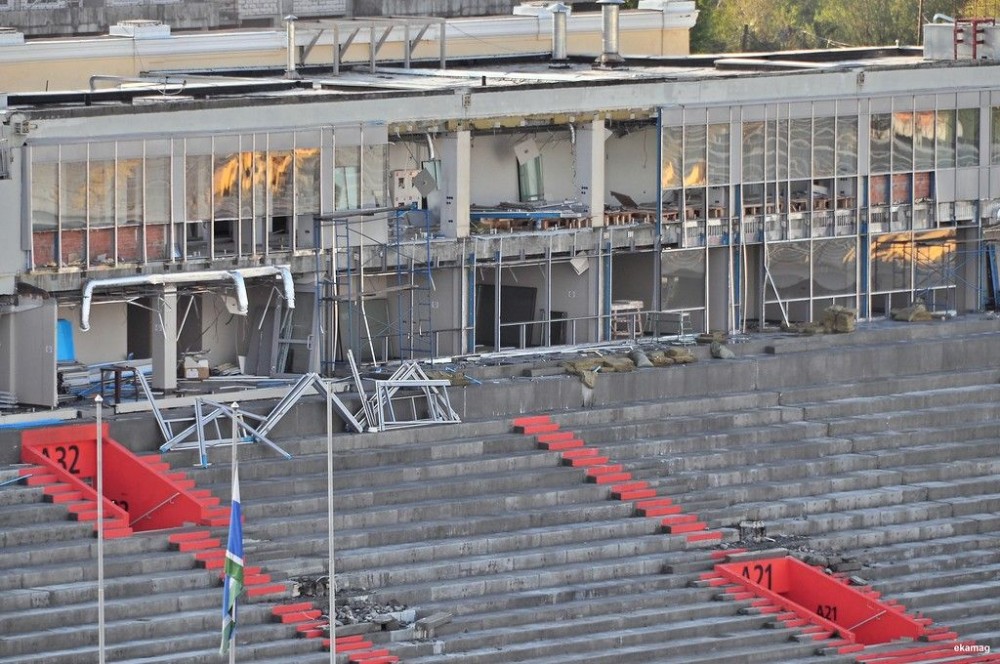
(234, 567)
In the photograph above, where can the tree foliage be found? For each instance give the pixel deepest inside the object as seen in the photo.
(771, 25)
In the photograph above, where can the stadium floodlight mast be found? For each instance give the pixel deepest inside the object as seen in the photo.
(100, 532)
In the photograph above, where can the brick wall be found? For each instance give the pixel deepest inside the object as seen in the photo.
(101, 250)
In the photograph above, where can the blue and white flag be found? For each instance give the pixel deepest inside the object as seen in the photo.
(234, 568)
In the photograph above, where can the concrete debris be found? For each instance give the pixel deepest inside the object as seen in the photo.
(426, 625)
(640, 358)
(588, 368)
(916, 312)
(358, 610)
(305, 586)
(835, 320)
(681, 355)
(839, 320)
(457, 378)
(721, 351)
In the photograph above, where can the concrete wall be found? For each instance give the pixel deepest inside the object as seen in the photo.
(106, 340)
(632, 166)
(494, 166)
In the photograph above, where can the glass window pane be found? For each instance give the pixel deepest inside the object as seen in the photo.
(902, 141)
(800, 142)
(226, 181)
(157, 190)
(530, 180)
(73, 183)
(683, 280)
(279, 177)
(129, 193)
(890, 263)
(198, 179)
(771, 155)
(788, 264)
(673, 140)
(374, 176)
(718, 154)
(307, 184)
(694, 155)
(347, 180)
(781, 154)
(834, 267)
(881, 140)
(995, 135)
(753, 151)
(967, 131)
(944, 139)
(847, 145)
(934, 260)
(923, 140)
(44, 187)
(824, 140)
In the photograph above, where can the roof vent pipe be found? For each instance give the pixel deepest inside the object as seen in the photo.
(559, 14)
(290, 47)
(610, 57)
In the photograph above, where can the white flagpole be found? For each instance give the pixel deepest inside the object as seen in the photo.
(235, 406)
(331, 584)
(100, 531)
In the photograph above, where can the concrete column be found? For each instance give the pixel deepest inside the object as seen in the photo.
(456, 168)
(165, 340)
(589, 177)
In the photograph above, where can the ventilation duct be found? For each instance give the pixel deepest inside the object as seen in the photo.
(290, 47)
(610, 57)
(236, 276)
(560, 12)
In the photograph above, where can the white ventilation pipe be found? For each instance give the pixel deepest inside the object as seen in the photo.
(559, 14)
(290, 46)
(237, 276)
(609, 33)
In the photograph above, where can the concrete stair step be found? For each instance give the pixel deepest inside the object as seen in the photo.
(609, 647)
(536, 498)
(551, 475)
(652, 420)
(928, 581)
(672, 604)
(860, 389)
(157, 604)
(481, 526)
(254, 643)
(682, 432)
(613, 589)
(928, 598)
(927, 417)
(892, 438)
(942, 554)
(769, 472)
(131, 637)
(19, 494)
(604, 548)
(53, 531)
(596, 419)
(902, 401)
(547, 577)
(566, 532)
(909, 533)
(574, 627)
(807, 505)
(797, 442)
